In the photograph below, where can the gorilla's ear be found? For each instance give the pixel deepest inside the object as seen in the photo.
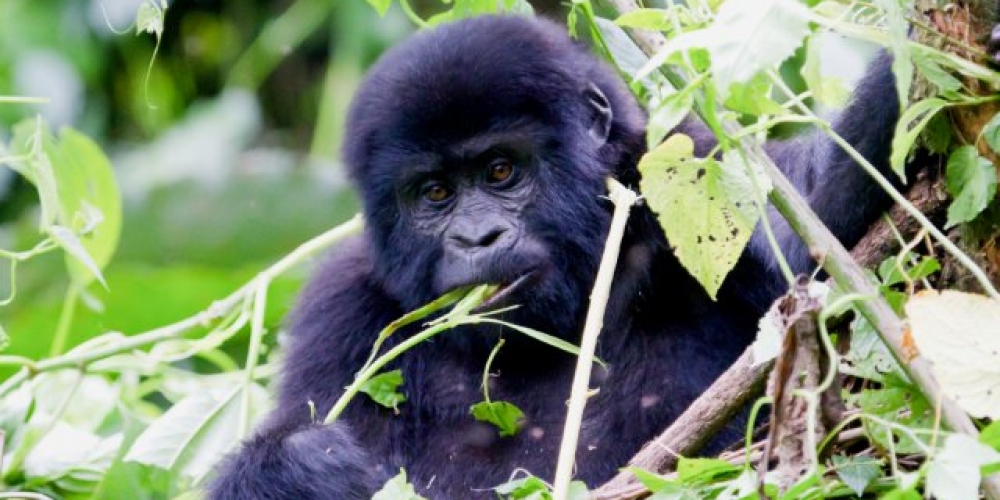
(600, 113)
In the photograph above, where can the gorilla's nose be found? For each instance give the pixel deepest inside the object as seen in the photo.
(473, 238)
(477, 238)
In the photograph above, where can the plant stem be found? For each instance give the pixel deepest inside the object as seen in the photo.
(377, 364)
(218, 309)
(623, 199)
(253, 356)
(65, 320)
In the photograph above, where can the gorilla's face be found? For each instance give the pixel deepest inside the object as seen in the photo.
(490, 170)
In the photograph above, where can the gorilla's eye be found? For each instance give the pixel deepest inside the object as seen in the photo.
(500, 170)
(436, 192)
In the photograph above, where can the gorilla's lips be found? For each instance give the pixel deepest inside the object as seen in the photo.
(506, 290)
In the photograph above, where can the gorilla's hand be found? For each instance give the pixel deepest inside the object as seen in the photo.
(311, 462)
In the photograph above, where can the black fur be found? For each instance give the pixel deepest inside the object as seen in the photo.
(665, 341)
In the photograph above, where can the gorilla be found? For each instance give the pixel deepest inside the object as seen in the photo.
(480, 149)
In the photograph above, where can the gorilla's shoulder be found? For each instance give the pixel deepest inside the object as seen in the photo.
(342, 287)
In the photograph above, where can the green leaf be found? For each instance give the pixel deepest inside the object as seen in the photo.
(507, 417)
(990, 436)
(646, 19)
(704, 470)
(857, 472)
(913, 120)
(897, 403)
(753, 97)
(528, 487)
(68, 241)
(707, 212)
(891, 274)
(947, 84)
(30, 138)
(624, 52)
(991, 133)
(196, 432)
(578, 491)
(397, 488)
(749, 36)
(651, 480)
(382, 389)
(380, 6)
(971, 181)
(668, 113)
(937, 135)
(902, 494)
(90, 201)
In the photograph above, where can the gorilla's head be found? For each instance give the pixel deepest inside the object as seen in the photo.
(481, 150)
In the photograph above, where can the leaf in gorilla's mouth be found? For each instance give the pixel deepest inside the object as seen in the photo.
(505, 290)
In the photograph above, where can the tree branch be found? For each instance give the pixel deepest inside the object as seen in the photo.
(837, 262)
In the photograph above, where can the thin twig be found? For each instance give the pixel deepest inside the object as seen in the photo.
(623, 199)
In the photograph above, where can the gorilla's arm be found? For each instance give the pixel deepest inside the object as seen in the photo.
(843, 195)
(840, 191)
(332, 331)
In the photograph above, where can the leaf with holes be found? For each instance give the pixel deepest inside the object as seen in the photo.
(707, 211)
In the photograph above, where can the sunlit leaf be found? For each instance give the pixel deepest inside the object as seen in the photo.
(750, 36)
(397, 488)
(647, 19)
(196, 432)
(380, 6)
(954, 471)
(707, 211)
(71, 244)
(960, 334)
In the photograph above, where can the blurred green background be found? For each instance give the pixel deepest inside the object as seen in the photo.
(224, 144)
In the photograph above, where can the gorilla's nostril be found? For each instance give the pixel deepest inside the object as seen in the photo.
(479, 239)
(491, 237)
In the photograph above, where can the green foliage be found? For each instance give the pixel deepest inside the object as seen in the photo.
(533, 488)
(507, 418)
(716, 200)
(194, 433)
(397, 488)
(971, 182)
(857, 472)
(911, 124)
(149, 421)
(383, 389)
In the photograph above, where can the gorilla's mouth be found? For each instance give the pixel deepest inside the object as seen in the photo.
(503, 294)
